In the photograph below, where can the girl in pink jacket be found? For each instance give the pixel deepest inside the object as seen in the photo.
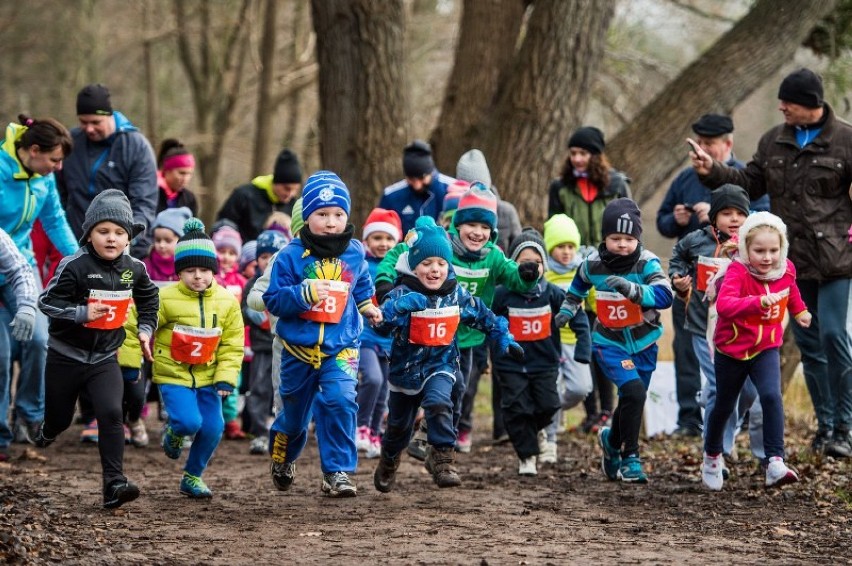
(759, 286)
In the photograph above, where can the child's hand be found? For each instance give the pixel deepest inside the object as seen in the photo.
(682, 283)
(631, 291)
(145, 342)
(373, 314)
(224, 389)
(315, 290)
(767, 301)
(96, 310)
(804, 319)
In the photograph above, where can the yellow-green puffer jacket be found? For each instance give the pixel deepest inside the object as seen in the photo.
(130, 353)
(215, 307)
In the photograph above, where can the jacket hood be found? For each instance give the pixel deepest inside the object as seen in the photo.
(13, 134)
(264, 183)
(123, 123)
(764, 219)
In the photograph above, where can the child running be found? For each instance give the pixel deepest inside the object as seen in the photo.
(424, 312)
(198, 354)
(319, 284)
(630, 286)
(758, 288)
(87, 302)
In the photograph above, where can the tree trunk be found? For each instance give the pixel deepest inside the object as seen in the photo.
(545, 95)
(652, 146)
(152, 96)
(363, 94)
(483, 54)
(263, 121)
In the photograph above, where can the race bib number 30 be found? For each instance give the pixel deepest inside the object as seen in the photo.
(434, 327)
(528, 325)
(331, 308)
(615, 311)
(118, 303)
(192, 345)
(706, 268)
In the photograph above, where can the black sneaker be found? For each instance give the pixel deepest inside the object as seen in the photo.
(283, 474)
(686, 432)
(821, 439)
(840, 446)
(119, 492)
(338, 484)
(40, 440)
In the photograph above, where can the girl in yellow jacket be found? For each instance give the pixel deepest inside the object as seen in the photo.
(198, 355)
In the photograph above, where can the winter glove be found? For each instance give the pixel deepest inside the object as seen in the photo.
(412, 302)
(508, 347)
(563, 317)
(382, 289)
(631, 291)
(580, 326)
(224, 389)
(23, 325)
(528, 271)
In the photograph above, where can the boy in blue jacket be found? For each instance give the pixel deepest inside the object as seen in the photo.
(424, 312)
(319, 287)
(630, 286)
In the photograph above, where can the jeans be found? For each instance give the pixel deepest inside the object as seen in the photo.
(687, 374)
(372, 388)
(196, 413)
(436, 400)
(827, 350)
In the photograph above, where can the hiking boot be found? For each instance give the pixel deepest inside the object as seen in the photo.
(283, 474)
(822, 439)
(40, 440)
(711, 472)
(375, 448)
(527, 466)
(840, 445)
(778, 474)
(172, 443)
(464, 442)
(259, 445)
(119, 492)
(362, 438)
(631, 470)
(439, 463)
(25, 432)
(90, 433)
(338, 484)
(194, 487)
(610, 457)
(418, 445)
(686, 432)
(138, 434)
(384, 478)
(233, 430)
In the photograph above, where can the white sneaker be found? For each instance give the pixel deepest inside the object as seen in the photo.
(375, 448)
(548, 455)
(527, 467)
(259, 445)
(778, 474)
(362, 438)
(138, 434)
(542, 441)
(711, 472)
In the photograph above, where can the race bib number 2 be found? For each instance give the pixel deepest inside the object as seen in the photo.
(434, 327)
(192, 345)
(118, 303)
(615, 311)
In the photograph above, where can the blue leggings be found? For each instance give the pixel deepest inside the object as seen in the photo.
(198, 413)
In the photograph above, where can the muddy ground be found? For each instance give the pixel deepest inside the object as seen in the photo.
(50, 511)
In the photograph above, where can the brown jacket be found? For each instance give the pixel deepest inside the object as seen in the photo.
(809, 188)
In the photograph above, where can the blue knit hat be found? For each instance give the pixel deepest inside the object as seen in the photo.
(173, 219)
(324, 189)
(270, 241)
(426, 240)
(195, 248)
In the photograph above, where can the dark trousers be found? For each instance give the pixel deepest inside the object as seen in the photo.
(134, 393)
(687, 372)
(259, 399)
(65, 380)
(435, 398)
(529, 403)
(478, 356)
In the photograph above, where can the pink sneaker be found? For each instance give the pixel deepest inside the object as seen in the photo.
(375, 448)
(464, 442)
(362, 438)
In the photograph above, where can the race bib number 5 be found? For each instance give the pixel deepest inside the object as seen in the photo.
(528, 325)
(192, 345)
(434, 327)
(615, 311)
(331, 308)
(118, 303)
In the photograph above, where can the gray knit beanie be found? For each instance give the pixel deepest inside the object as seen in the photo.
(473, 167)
(110, 205)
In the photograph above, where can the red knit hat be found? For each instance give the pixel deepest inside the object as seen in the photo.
(477, 205)
(382, 220)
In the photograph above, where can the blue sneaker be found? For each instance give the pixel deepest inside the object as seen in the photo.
(631, 470)
(194, 487)
(172, 443)
(611, 457)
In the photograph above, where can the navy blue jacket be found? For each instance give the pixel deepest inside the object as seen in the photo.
(411, 205)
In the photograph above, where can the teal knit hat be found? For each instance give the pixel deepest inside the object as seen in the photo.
(195, 248)
(426, 240)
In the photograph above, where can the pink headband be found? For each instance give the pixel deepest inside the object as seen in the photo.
(182, 160)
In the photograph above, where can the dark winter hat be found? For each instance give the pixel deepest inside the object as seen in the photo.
(728, 196)
(94, 99)
(110, 205)
(589, 138)
(713, 125)
(417, 159)
(270, 241)
(621, 216)
(287, 169)
(529, 238)
(195, 248)
(803, 87)
(173, 219)
(426, 240)
(324, 189)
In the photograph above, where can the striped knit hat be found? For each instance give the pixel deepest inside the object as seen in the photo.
(296, 220)
(621, 216)
(453, 196)
(477, 205)
(324, 189)
(195, 248)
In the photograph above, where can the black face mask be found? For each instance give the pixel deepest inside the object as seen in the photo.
(619, 263)
(329, 245)
(414, 284)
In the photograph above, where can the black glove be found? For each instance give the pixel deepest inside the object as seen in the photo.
(515, 351)
(580, 326)
(382, 289)
(632, 291)
(529, 271)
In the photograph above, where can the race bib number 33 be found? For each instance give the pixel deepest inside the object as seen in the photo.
(434, 327)
(118, 303)
(615, 311)
(191, 345)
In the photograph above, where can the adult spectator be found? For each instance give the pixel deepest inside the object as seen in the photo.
(422, 191)
(685, 209)
(805, 166)
(473, 167)
(109, 153)
(176, 168)
(31, 152)
(250, 205)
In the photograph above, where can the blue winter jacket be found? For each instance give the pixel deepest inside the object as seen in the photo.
(305, 339)
(369, 337)
(411, 205)
(25, 197)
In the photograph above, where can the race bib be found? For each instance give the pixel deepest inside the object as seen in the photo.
(706, 268)
(434, 327)
(118, 303)
(472, 280)
(615, 311)
(236, 291)
(331, 308)
(528, 325)
(192, 345)
(773, 314)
